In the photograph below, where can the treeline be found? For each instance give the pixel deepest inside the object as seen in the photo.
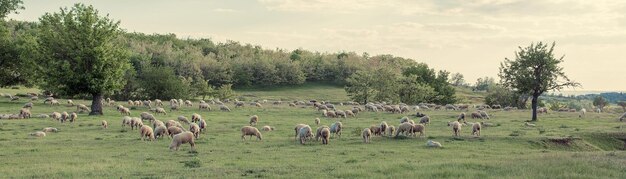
(165, 66)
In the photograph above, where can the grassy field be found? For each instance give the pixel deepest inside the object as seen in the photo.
(560, 146)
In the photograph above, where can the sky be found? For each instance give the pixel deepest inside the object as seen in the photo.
(471, 37)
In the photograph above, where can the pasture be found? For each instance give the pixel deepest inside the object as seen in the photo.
(561, 145)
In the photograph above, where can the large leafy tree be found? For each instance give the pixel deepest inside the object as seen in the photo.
(9, 6)
(16, 48)
(534, 71)
(359, 86)
(80, 53)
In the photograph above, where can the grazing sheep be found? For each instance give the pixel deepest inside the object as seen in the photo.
(195, 129)
(405, 128)
(195, 117)
(124, 111)
(126, 121)
(160, 131)
(160, 110)
(476, 129)
(50, 129)
(173, 130)
(305, 134)
(55, 115)
(383, 127)
(419, 128)
(38, 134)
(317, 121)
(224, 108)
(157, 123)
(336, 128)
(73, 117)
(188, 103)
(319, 131)
(55, 102)
(325, 134)
(147, 116)
(461, 117)
(349, 113)
(582, 113)
(146, 132)
(431, 143)
(182, 138)
(257, 104)
(390, 130)
(404, 119)
(204, 106)
(425, 120)
(202, 125)
(376, 130)
(254, 119)
(251, 131)
(25, 113)
(158, 102)
(456, 127)
(183, 119)
(28, 105)
(64, 116)
(105, 124)
(366, 134)
(484, 114)
(48, 99)
(476, 115)
(82, 108)
(170, 123)
(297, 129)
(147, 103)
(330, 114)
(268, 128)
(486, 124)
(135, 123)
(174, 107)
(340, 114)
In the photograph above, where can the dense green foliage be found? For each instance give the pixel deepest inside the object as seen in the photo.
(534, 71)
(9, 6)
(499, 95)
(600, 102)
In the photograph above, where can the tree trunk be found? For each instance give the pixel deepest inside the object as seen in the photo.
(534, 106)
(96, 105)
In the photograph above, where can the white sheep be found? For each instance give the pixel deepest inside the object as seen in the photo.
(195, 117)
(173, 130)
(251, 131)
(160, 131)
(64, 116)
(431, 143)
(50, 129)
(268, 128)
(195, 129)
(183, 119)
(182, 138)
(82, 108)
(383, 127)
(146, 133)
(297, 129)
(305, 133)
(390, 130)
(188, 103)
(105, 124)
(318, 132)
(55, 115)
(202, 125)
(366, 134)
(160, 110)
(135, 123)
(405, 128)
(476, 129)
(25, 113)
(456, 127)
(317, 121)
(123, 110)
(336, 128)
(204, 106)
(582, 113)
(126, 121)
(38, 134)
(254, 119)
(224, 108)
(73, 117)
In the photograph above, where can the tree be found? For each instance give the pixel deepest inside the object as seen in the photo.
(483, 84)
(502, 96)
(359, 86)
(411, 92)
(225, 92)
(457, 79)
(534, 71)
(162, 83)
(622, 104)
(9, 6)
(80, 53)
(600, 102)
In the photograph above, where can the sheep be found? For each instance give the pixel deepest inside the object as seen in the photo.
(156, 123)
(375, 130)
(268, 128)
(25, 113)
(48, 99)
(542, 110)
(476, 129)
(147, 116)
(64, 116)
(73, 117)
(366, 135)
(50, 129)
(182, 138)
(321, 107)
(43, 116)
(173, 123)
(174, 107)
(173, 130)
(317, 121)
(138, 103)
(419, 128)
(183, 119)
(330, 114)
(325, 134)
(188, 103)
(456, 127)
(336, 128)
(254, 119)
(318, 132)
(38, 134)
(158, 102)
(404, 119)
(160, 110)
(305, 133)
(146, 132)
(135, 123)
(28, 105)
(258, 104)
(425, 120)
(461, 117)
(390, 130)
(476, 115)
(105, 124)
(582, 113)
(204, 106)
(405, 128)
(82, 108)
(431, 143)
(55, 102)
(55, 115)
(202, 125)
(251, 131)
(160, 131)
(239, 104)
(147, 103)
(195, 117)
(195, 129)
(124, 111)
(126, 121)
(484, 114)
(224, 108)
(297, 129)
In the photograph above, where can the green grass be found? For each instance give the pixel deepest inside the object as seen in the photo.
(586, 148)
(305, 92)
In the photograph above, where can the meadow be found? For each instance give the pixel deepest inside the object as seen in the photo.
(561, 145)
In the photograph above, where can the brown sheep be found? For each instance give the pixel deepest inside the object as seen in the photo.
(456, 127)
(254, 119)
(405, 128)
(202, 125)
(73, 117)
(419, 128)
(325, 134)
(461, 117)
(183, 119)
(297, 129)
(135, 123)
(268, 128)
(173, 130)
(319, 132)
(105, 124)
(317, 121)
(160, 131)
(195, 117)
(376, 130)
(64, 116)
(366, 135)
(476, 115)
(390, 130)
(25, 113)
(182, 138)
(476, 129)
(195, 129)
(251, 131)
(146, 133)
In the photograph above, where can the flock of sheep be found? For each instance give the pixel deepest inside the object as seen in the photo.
(179, 134)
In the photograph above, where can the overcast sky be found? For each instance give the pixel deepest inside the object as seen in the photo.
(471, 37)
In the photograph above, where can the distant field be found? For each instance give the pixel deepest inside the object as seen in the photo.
(560, 146)
(325, 92)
